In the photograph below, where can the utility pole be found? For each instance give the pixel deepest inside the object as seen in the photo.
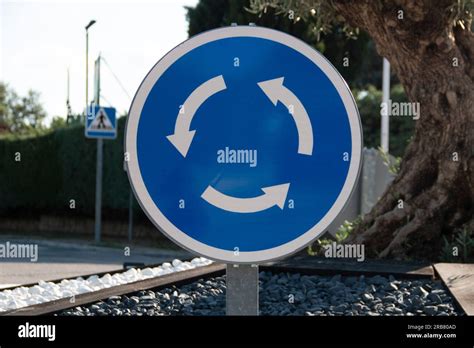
(98, 179)
(91, 23)
(99, 165)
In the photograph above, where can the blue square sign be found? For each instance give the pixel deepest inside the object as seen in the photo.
(101, 123)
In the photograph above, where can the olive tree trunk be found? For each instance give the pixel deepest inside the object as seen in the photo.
(433, 192)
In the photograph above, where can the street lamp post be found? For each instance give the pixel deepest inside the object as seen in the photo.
(98, 181)
(91, 23)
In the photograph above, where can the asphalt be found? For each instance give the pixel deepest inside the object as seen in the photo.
(62, 259)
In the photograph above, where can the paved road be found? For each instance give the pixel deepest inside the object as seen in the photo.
(60, 259)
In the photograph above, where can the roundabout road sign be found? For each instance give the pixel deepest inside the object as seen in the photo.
(244, 144)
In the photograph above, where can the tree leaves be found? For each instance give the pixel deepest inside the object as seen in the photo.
(20, 114)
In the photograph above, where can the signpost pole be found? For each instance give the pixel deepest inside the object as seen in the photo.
(100, 154)
(242, 289)
(98, 190)
(130, 208)
(130, 215)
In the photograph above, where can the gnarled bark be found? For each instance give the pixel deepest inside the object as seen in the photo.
(434, 61)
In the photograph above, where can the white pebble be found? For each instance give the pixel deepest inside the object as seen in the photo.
(166, 265)
(176, 262)
(48, 291)
(147, 272)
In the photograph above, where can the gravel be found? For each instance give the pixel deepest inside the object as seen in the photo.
(49, 291)
(288, 294)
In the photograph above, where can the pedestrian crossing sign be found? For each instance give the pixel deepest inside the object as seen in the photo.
(101, 122)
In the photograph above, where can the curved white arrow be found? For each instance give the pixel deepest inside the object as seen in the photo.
(273, 195)
(182, 137)
(275, 91)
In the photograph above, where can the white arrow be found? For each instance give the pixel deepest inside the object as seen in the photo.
(182, 137)
(274, 195)
(275, 91)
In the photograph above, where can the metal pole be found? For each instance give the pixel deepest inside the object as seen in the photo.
(384, 133)
(130, 208)
(91, 23)
(99, 165)
(242, 289)
(87, 73)
(98, 190)
(130, 215)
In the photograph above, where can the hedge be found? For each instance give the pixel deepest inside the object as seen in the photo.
(58, 167)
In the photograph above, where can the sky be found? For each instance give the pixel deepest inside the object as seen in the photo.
(40, 40)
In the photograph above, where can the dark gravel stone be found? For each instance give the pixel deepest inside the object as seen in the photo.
(287, 294)
(367, 297)
(430, 310)
(434, 298)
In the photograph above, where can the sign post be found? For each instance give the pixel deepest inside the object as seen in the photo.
(101, 124)
(244, 144)
(98, 191)
(100, 161)
(242, 289)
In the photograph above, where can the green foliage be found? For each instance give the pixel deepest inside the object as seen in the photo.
(393, 164)
(57, 167)
(401, 127)
(206, 15)
(322, 16)
(3, 105)
(57, 122)
(463, 242)
(20, 115)
(319, 13)
(341, 235)
(365, 66)
(346, 228)
(211, 14)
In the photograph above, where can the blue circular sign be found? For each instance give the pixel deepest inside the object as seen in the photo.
(244, 144)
